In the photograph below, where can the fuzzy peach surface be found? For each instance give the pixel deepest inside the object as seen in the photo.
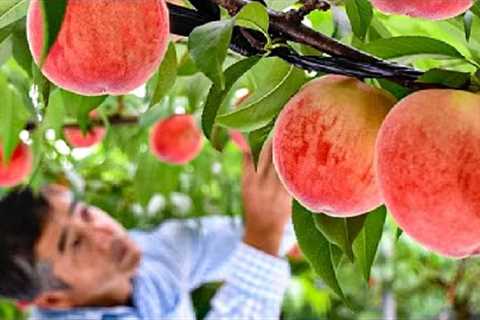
(427, 9)
(428, 164)
(104, 46)
(323, 145)
(18, 168)
(76, 138)
(176, 140)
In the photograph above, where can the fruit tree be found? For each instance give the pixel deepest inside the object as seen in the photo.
(373, 107)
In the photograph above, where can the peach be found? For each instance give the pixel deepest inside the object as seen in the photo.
(18, 168)
(323, 145)
(77, 139)
(428, 168)
(104, 46)
(176, 140)
(427, 9)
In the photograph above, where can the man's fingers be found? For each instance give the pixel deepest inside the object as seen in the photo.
(248, 167)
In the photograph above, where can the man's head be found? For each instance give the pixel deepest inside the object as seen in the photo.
(62, 254)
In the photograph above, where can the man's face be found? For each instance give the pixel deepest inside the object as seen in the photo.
(88, 251)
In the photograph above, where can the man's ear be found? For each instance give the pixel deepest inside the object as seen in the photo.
(55, 299)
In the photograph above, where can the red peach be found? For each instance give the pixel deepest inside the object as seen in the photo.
(176, 140)
(323, 145)
(18, 168)
(77, 139)
(428, 168)
(428, 9)
(104, 46)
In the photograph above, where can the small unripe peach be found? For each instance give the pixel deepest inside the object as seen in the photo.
(428, 168)
(104, 46)
(427, 9)
(323, 145)
(18, 168)
(176, 140)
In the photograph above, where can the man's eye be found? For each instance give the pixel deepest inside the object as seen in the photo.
(77, 242)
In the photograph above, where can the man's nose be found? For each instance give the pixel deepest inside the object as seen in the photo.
(101, 237)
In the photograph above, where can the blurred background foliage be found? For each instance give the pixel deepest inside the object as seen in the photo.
(122, 177)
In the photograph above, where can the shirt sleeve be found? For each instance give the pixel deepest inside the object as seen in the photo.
(254, 286)
(198, 251)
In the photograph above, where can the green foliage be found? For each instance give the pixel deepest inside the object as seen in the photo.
(202, 77)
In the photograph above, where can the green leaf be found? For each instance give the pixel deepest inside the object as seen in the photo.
(254, 16)
(13, 117)
(11, 11)
(42, 83)
(340, 231)
(366, 245)
(55, 114)
(165, 76)
(467, 24)
(277, 83)
(20, 49)
(360, 13)
(5, 50)
(315, 247)
(398, 233)
(402, 46)
(280, 4)
(152, 115)
(216, 95)
(53, 13)
(337, 254)
(153, 176)
(449, 78)
(80, 106)
(475, 9)
(208, 45)
(256, 140)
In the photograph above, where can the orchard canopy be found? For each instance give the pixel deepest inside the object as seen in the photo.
(371, 106)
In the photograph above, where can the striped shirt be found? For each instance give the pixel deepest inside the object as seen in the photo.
(180, 256)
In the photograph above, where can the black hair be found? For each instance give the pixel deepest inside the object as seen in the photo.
(22, 218)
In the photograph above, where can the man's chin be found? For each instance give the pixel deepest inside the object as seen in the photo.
(126, 255)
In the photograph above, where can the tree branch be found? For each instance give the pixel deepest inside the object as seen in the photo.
(113, 120)
(342, 58)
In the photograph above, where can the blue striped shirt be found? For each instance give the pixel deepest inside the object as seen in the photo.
(180, 256)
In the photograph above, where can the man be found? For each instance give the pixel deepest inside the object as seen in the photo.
(74, 262)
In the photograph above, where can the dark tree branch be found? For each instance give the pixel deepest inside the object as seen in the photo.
(113, 120)
(342, 59)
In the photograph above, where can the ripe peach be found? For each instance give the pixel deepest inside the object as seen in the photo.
(428, 168)
(77, 139)
(104, 46)
(323, 145)
(18, 168)
(428, 9)
(176, 140)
